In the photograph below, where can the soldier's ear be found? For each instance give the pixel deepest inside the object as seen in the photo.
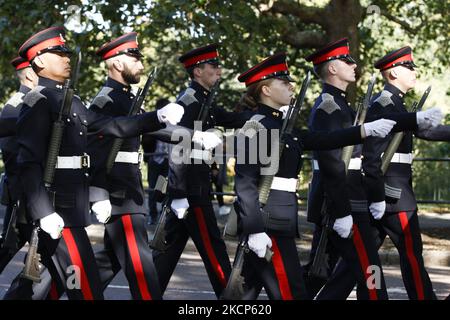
(265, 90)
(38, 62)
(332, 70)
(197, 72)
(393, 73)
(31, 76)
(118, 65)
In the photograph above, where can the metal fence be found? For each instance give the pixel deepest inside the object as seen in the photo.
(306, 158)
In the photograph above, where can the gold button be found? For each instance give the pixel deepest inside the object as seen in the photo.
(81, 133)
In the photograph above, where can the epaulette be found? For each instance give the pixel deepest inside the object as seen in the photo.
(384, 99)
(328, 104)
(34, 96)
(252, 126)
(102, 98)
(16, 99)
(188, 97)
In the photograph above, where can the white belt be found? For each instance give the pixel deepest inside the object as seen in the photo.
(355, 164)
(74, 162)
(204, 155)
(129, 157)
(402, 158)
(284, 184)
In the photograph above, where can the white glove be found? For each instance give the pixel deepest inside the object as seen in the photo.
(429, 118)
(258, 243)
(171, 113)
(379, 128)
(53, 224)
(179, 207)
(377, 209)
(343, 226)
(209, 140)
(284, 109)
(102, 210)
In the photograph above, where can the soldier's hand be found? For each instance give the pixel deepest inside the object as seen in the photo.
(429, 118)
(102, 210)
(379, 128)
(179, 207)
(343, 226)
(171, 113)
(209, 140)
(258, 243)
(377, 209)
(53, 224)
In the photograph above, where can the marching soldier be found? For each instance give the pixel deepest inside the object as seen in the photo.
(189, 185)
(343, 192)
(269, 88)
(118, 196)
(62, 212)
(394, 190)
(402, 225)
(11, 186)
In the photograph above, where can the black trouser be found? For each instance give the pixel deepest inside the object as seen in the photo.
(404, 231)
(70, 261)
(154, 170)
(126, 247)
(201, 225)
(314, 284)
(360, 256)
(282, 278)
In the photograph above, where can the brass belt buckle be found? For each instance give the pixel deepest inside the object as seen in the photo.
(85, 161)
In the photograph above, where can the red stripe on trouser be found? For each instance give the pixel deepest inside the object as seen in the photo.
(280, 272)
(76, 260)
(135, 257)
(209, 249)
(410, 254)
(363, 259)
(53, 294)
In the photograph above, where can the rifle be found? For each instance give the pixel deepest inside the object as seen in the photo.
(135, 107)
(235, 286)
(11, 236)
(319, 267)
(234, 289)
(158, 242)
(286, 130)
(31, 269)
(205, 109)
(398, 137)
(159, 238)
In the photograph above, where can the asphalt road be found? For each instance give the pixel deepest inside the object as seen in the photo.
(190, 282)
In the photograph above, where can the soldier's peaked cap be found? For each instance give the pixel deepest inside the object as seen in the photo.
(335, 50)
(125, 44)
(272, 67)
(402, 56)
(48, 40)
(20, 63)
(206, 54)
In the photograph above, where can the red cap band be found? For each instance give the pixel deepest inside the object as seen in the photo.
(333, 53)
(122, 47)
(202, 57)
(23, 65)
(265, 72)
(34, 51)
(407, 57)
